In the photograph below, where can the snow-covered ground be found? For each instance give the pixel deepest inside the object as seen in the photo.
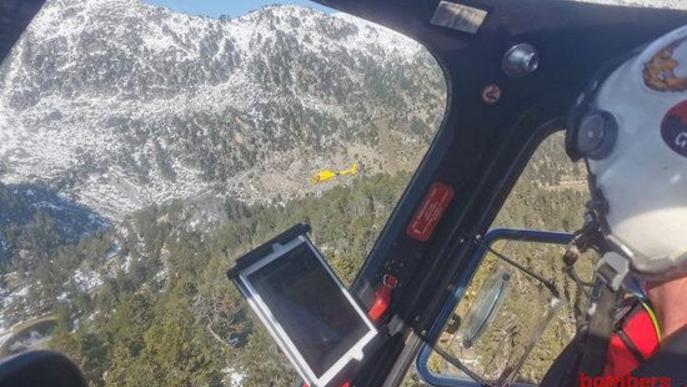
(235, 377)
(96, 90)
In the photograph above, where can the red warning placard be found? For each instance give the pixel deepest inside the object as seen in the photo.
(433, 207)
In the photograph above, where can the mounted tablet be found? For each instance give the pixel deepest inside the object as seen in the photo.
(304, 306)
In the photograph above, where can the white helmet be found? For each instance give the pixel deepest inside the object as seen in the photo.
(631, 128)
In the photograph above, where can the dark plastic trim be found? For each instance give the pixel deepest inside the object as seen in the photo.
(266, 248)
(40, 368)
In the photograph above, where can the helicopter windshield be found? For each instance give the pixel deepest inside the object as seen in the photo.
(146, 144)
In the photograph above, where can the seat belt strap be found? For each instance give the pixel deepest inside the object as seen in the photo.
(601, 326)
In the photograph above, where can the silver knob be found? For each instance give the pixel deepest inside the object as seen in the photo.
(520, 60)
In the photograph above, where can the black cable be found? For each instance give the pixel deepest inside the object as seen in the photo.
(549, 284)
(582, 285)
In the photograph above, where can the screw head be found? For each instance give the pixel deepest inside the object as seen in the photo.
(491, 94)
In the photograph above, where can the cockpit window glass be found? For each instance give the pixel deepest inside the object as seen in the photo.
(551, 192)
(550, 195)
(146, 144)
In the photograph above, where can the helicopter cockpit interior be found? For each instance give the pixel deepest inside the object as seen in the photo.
(466, 281)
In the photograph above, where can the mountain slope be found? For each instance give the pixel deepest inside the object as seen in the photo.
(120, 104)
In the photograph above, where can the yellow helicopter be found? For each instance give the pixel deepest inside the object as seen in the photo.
(326, 175)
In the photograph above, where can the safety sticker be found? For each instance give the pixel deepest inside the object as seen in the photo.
(433, 207)
(660, 70)
(458, 17)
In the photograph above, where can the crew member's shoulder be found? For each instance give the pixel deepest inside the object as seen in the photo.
(670, 361)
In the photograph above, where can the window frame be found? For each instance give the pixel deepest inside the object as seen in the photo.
(459, 288)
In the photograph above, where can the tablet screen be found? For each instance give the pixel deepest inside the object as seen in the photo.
(310, 306)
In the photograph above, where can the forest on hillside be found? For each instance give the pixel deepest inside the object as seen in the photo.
(171, 316)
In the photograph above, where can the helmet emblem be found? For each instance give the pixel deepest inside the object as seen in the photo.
(674, 128)
(659, 72)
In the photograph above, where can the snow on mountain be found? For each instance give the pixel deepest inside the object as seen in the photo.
(119, 104)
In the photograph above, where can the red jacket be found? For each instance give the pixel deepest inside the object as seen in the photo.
(634, 341)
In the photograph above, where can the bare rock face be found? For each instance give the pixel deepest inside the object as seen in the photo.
(118, 104)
